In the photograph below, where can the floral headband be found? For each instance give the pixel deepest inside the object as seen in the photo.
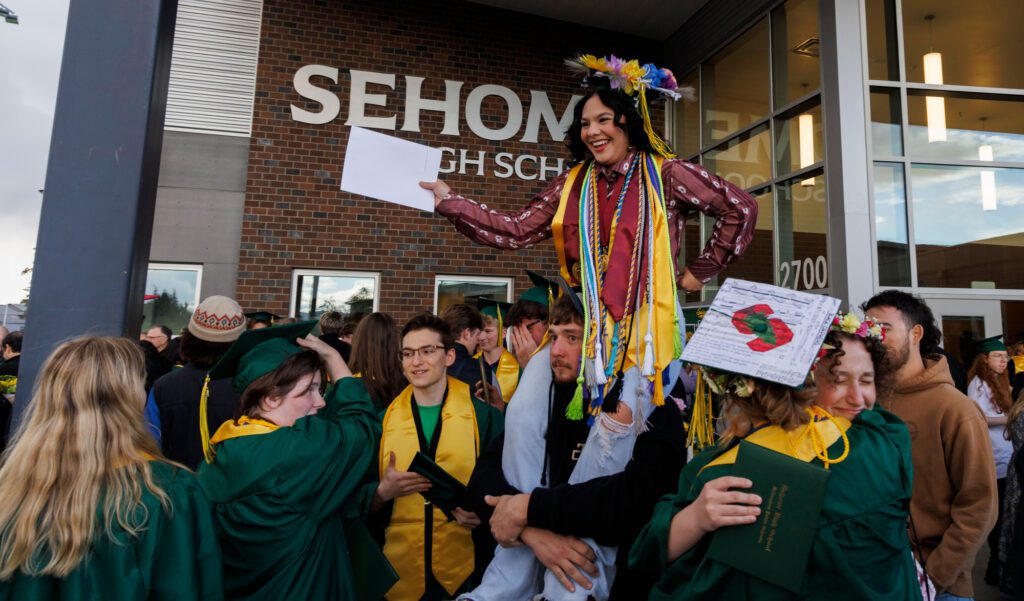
(843, 323)
(634, 80)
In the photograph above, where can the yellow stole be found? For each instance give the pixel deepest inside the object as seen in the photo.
(1018, 363)
(798, 443)
(246, 426)
(405, 537)
(507, 374)
(666, 336)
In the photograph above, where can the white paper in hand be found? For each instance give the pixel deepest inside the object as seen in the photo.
(762, 331)
(387, 168)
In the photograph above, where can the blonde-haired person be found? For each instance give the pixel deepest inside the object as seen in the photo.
(89, 509)
(860, 548)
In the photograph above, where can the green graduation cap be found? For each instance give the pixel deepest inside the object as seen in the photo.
(263, 317)
(544, 291)
(991, 344)
(256, 353)
(492, 308)
(259, 352)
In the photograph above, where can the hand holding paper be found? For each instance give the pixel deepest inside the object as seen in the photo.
(390, 169)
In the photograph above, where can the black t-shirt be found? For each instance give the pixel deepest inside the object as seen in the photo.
(565, 437)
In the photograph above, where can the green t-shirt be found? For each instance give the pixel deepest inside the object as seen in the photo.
(429, 415)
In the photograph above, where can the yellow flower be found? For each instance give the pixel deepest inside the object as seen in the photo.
(633, 71)
(592, 62)
(849, 323)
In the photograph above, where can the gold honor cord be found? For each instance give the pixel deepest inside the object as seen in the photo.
(701, 432)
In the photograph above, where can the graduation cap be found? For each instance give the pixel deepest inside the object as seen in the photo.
(256, 353)
(492, 308)
(544, 291)
(990, 344)
(263, 317)
(573, 296)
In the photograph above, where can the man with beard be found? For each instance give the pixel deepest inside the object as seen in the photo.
(953, 506)
(541, 512)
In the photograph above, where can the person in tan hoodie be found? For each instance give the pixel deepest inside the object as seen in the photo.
(953, 504)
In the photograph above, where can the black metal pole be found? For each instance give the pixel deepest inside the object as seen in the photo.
(97, 214)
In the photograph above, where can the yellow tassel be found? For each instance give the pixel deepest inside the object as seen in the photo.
(702, 429)
(657, 143)
(204, 428)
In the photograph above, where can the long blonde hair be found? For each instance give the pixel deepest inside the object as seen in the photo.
(83, 442)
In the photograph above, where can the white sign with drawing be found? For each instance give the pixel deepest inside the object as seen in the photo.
(762, 331)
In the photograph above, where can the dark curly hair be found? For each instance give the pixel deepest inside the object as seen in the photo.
(914, 311)
(622, 106)
(879, 359)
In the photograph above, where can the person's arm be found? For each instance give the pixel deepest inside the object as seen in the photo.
(612, 509)
(973, 510)
(488, 479)
(690, 188)
(506, 230)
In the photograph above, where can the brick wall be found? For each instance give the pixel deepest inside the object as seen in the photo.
(295, 215)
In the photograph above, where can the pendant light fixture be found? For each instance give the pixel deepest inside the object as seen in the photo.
(988, 176)
(935, 106)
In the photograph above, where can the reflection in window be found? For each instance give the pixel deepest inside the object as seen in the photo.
(802, 226)
(745, 160)
(734, 86)
(687, 123)
(451, 290)
(799, 143)
(172, 293)
(796, 43)
(968, 226)
(316, 292)
(972, 123)
(979, 44)
(758, 262)
(891, 225)
(886, 117)
(883, 56)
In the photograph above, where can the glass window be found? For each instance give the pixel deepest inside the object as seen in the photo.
(976, 128)
(799, 143)
(349, 293)
(977, 44)
(758, 261)
(687, 124)
(886, 120)
(968, 226)
(172, 293)
(883, 55)
(891, 225)
(796, 44)
(735, 83)
(802, 226)
(451, 290)
(744, 160)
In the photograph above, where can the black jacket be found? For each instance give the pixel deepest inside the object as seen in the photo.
(177, 397)
(465, 368)
(612, 509)
(10, 366)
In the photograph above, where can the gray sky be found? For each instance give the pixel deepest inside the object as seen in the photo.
(30, 54)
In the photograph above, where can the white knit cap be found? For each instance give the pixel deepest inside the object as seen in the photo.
(217, 319)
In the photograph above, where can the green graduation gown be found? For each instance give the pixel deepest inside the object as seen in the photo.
(277, 500)
(176, 557)
(860, 551)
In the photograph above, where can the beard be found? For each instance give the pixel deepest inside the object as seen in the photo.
(898, 357)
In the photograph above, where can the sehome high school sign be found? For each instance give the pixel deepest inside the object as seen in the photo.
(479, 162)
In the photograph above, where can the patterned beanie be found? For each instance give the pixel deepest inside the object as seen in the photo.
(217, 319)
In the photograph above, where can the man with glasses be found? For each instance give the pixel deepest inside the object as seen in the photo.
(438, 416)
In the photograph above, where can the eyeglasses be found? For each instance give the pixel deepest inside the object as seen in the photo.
(425, 352)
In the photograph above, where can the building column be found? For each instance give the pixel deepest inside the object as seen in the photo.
(847, 160)
(101, 178)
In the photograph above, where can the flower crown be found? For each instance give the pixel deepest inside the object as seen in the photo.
(843, 323)
(640, 82)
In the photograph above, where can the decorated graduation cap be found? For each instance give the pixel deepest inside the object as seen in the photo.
(544, 291)
(643, 84)
(263, 317)
(990, 344)
(256, 353)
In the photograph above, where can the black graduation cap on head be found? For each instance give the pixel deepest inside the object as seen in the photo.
(573, 296)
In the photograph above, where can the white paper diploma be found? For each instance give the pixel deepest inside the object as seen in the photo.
(387, 168)
(762, 331)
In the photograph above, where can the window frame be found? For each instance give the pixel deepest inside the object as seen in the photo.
(297, 272)
(195, 267)
(480, 279)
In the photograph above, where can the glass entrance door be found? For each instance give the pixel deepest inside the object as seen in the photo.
(964, 322)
